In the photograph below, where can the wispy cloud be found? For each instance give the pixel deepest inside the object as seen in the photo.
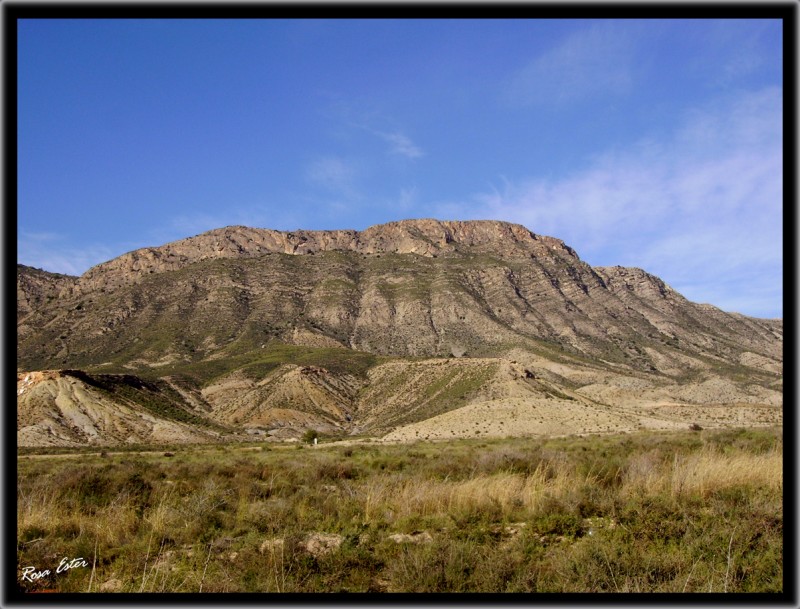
(588, 63)
(50, 251)
(400, 144)
(703, 210)
(370, 119)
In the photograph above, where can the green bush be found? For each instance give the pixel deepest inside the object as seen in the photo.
(310, 435)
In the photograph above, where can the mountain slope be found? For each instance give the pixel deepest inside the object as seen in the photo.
(539, 294)
(251, 309)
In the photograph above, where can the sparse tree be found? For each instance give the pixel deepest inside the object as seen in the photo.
(310, 436)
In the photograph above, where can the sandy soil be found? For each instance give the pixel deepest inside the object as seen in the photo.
(538, 417)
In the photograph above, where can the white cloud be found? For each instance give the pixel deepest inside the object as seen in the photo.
(703, 208)
(49, 252)
(588, 63)
(400, 144)
(384, 127)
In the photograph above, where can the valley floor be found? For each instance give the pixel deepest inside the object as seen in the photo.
(651, 511)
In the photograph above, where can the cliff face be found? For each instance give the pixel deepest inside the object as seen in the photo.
(250, 299)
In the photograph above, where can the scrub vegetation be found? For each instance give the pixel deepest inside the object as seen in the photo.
(689, 511)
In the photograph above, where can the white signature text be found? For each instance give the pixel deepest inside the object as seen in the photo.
(30, 574)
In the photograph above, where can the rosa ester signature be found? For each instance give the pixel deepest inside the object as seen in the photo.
(30, 574)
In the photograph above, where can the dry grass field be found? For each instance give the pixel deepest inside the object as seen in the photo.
(652, 511)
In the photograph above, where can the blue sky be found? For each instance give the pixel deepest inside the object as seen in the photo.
(649, 143)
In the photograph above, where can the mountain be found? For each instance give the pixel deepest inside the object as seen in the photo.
(369, 331)
(36, 287)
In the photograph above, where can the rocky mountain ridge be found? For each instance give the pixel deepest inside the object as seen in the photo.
(425, 237)
(242, 303)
